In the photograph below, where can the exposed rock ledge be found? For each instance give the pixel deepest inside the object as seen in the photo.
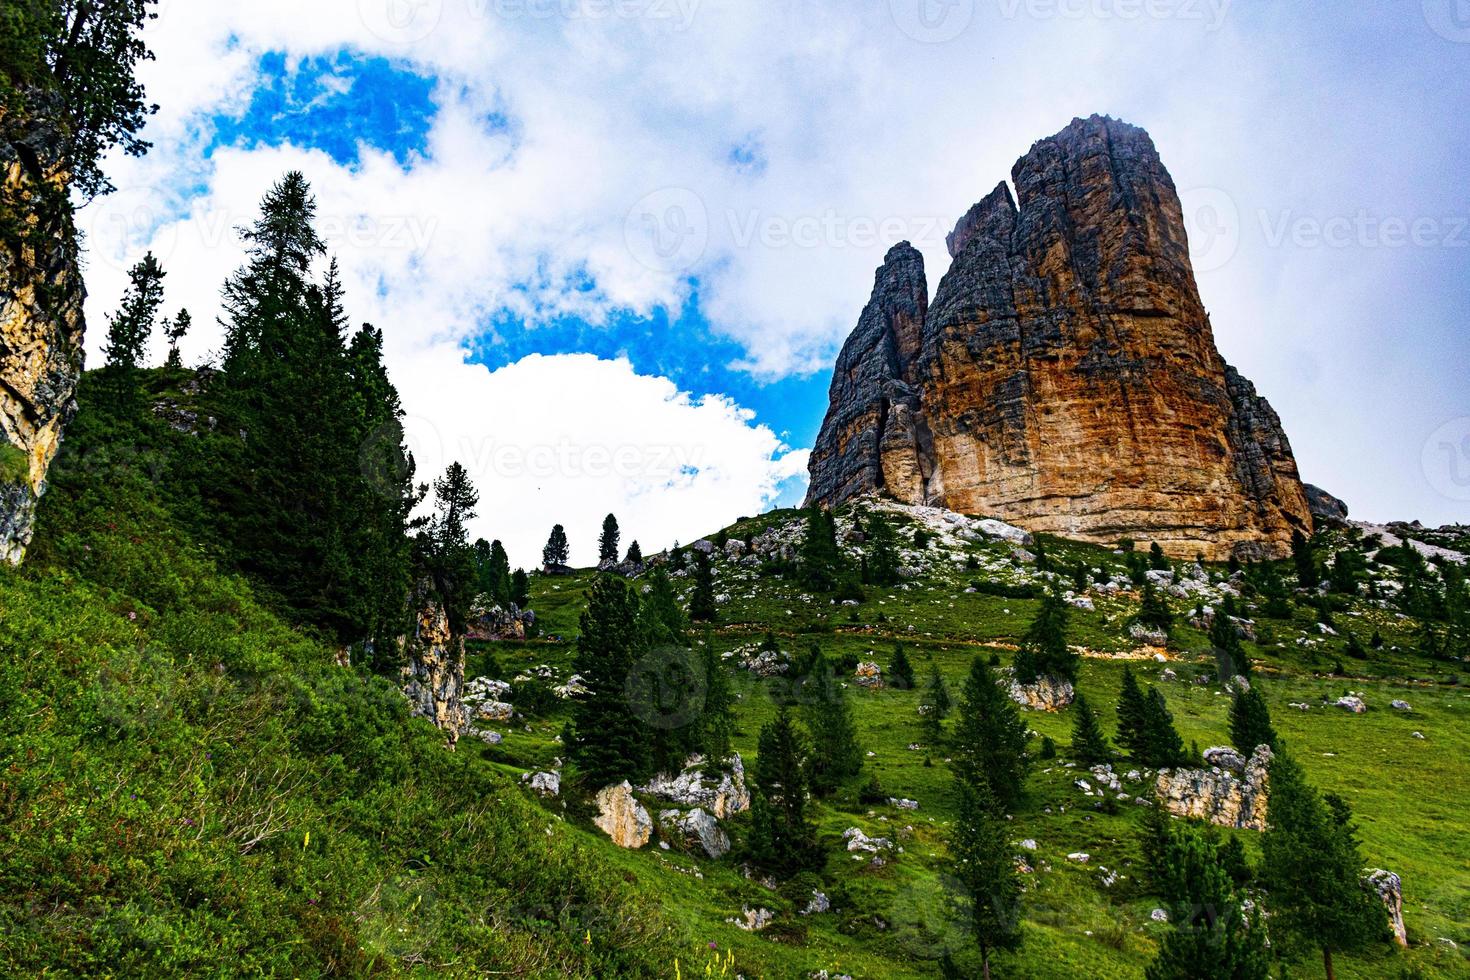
(1218, 795)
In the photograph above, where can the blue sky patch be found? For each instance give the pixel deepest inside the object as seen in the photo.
(333, 103)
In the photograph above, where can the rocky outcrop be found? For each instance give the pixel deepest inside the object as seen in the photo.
(622, 817)
(1390, 889)
(41, 326)
(433, 668)
(501, 623)
(1065, 377)
(1042, 694)
(724, 795)
(696, 828)
(1219, 796)
(1324, 506)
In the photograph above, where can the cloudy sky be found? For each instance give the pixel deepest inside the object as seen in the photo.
(615, 244)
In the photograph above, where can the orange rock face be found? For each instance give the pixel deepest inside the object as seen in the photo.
(1066, 378)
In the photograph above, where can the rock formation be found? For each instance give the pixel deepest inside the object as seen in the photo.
(433, 669)
(1217, 795)
(622, 817)
(1390, 888)
(1065, 377)
(1042, 694)
(41, 325)
(1324, 506)
(724, 797)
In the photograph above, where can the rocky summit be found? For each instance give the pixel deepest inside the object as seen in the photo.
(1065, 377)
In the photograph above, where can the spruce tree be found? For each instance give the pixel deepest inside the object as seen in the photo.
(1131, 711)
(702, 607)
(1210, 936)
(129, 329)
(900, 670)
(1161, 747)
(1156, 559)
(450, 557)
(1154, 611)
(717, 723)
(555, 554)
(882, 558)
(836, 755)
(663, 619)
(819, 556)
(520, 588)
(635, 555)
(990, 737)
(607, 741)
(1310, 869)
(1044, 651)
(1225, 639)
(175, 330)
(1250, 722)
(782, 837)
(937, 693)
(1089, 744)
(1305, 559)
(980, 847)
(607, 542)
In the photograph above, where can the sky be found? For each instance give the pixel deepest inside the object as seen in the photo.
(615, 245)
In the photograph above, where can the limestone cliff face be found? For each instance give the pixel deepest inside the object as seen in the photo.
(41, 326)
(433, 669)
(1067, 378)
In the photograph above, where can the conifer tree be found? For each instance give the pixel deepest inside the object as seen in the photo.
(1250, 722)
(520, 588)
(782, 837)
(1311, 866)
(702, 604)
(900, 670)
(717, 723)
(1160, 745)
(1210, 935)
(1044, 650)
(493, 571)
(1131, 711)
(175, 330)
(556, 551)
(607, 741)
(1305, 559)
(450, 557)
(990, 737)
(129, 329)
(980, 846)
(664, 622)
(882, 557)
(635, 555)
(937, 693)
(607, 542)
(1154, 611)
(1273, 590)
(1229, 651)
(836, 755)
(1089, 744)
(820, 557)
(1156, 559)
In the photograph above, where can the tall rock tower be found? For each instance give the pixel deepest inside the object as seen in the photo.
(1065, 378)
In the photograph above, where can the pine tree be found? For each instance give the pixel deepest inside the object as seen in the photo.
(702, 607)
(1044, 650)
(836, 755)
(1305, 560)
(1225, 638)
(129, 329)
(607, 542)
(175, 330)
(1250, 722)
(980, 846)
(1276, 596)
(820, 557)
(1156, 559)
(882, 558)
(1310, 868)
(717, 723)
(607, 741)
(1089, 744)
(990, 737)
(663, 619)
(1131, 711)
(1211, 937)
(554, 555)
(1154, 611)
(1161, 747)
(520, 588)
(493, 571)
(937, 693)
(900, 671)
(782, 837)
(450, 557)
(635, 555)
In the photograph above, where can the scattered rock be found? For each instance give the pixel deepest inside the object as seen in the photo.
(1081, 857)
(1390, 889)
(903, 804)
(869, 675)
(1351, 703)
(1224, 757)
(698, 828)
(1401, 706)
(1159, 915)
(1028, 844)
(724, 797)
(859, 841)
(544, 783)
(753, 920)
(622, 817)
(819, 903)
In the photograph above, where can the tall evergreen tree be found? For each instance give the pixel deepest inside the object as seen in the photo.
(937, 693)
(1089, 744)
(1156, 559)
(1160, 745)
(836, 755)
(1305, 559)
(1131, 711)
(900, 670)
(635, 554)
(520, 588)
(1310, 869)
(493, 571)
(820, 558)
(702, 607)
(1044, 650)
(607, 542)
(782, 836)
(1229, 651)
(129, 329)
(1154, 611)
(882, 557)
(990, 738)
(450, 558)
(980, 846)
(556, 551)
(717, 722)
(607, 741)
(663, 619)
(175, 330)
(1250, 722)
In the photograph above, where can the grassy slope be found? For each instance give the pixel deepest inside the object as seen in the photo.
(1407, 793)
